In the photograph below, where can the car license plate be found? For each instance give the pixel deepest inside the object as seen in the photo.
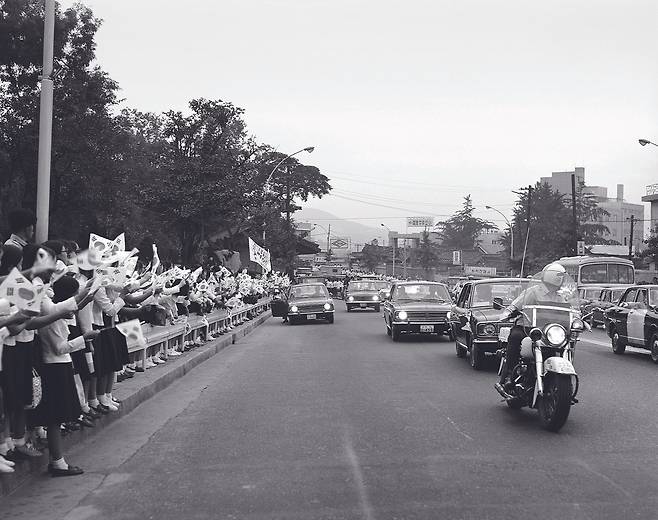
(362, 305)
(310, 316)
(427, 328)
(503, 333)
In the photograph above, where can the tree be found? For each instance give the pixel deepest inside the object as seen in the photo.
(462, 229)
(373, 256)
(426, 255)
(551, 233)
(651, 252)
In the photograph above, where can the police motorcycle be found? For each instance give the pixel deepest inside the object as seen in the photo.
(544, 378)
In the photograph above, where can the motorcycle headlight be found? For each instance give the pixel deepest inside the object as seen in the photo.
(402, 315)
(375, 298)
(294, 308)
(488, 329)
(577, 325)
(555, 334)
(350, 299)
(327, 306)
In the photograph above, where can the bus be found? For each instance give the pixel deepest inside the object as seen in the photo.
(599, 270)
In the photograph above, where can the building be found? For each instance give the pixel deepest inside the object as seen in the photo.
(490, 240)
(620, 211)
(652, 197)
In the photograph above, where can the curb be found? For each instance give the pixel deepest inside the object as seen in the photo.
(132, 393)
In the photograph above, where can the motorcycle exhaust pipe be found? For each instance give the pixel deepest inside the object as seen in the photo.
(499, 388)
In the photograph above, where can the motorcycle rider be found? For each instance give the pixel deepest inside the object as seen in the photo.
(552, 279)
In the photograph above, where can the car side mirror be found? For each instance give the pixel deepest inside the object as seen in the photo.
(498, 303)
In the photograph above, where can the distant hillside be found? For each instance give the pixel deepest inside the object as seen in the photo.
(358, 233)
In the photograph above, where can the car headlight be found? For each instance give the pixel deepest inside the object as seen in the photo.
(555, 334)
(402, 315)
(375, 298)
(448, 315)
(350, 299)
(294, 308)
(327, 306)
(577, 325)
(488, 329)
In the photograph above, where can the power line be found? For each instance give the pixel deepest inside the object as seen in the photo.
(406, 183)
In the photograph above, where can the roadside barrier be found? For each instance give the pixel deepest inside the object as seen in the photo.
(161, 338)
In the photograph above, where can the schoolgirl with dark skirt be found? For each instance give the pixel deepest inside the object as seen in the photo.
(59, 403)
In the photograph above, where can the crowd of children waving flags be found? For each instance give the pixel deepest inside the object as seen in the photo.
(68, 318)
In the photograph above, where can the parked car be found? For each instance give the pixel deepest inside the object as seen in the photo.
(474, 316)
(608, 297)
(634, 320)
(362, 294)
(305, 302)
(417, 308)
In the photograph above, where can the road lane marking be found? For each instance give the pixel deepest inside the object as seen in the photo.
(619, 488)
(453, 423)
(362, 493)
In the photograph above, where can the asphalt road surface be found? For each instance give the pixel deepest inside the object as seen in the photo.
(321, 421)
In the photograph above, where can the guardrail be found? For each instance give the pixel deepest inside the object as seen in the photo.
(160, 338)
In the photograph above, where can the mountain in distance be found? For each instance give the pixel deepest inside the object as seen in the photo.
(357, 233)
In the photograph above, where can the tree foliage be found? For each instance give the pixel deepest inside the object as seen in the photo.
(461, 230)
(552, 232)
(427, 255)
(188, 179)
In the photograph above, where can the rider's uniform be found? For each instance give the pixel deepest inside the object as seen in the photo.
(534, 295)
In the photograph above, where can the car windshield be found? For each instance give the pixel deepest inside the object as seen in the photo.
(616, 294)
(308, 291)
(484, 293)
(362, 286)
(422, 292)
(382, 285)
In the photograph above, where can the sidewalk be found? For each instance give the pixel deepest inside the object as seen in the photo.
(133, 392)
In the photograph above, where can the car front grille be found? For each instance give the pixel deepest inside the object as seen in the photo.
(311, 308)
(426, 316)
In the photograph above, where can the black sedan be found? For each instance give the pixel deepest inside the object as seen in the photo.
(417, 308)
(474, 317)
(634, 320)
(305, 302)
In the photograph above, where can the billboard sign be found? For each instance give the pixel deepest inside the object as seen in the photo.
(478, 270)
(423, 222)
(339, 243)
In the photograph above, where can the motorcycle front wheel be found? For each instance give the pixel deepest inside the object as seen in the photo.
(555, 404)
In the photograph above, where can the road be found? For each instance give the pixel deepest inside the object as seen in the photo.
(323, 421)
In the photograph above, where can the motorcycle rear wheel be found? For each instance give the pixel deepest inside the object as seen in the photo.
(554, 406)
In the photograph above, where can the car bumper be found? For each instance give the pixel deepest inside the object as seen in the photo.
(486, 345)
(363, 303)
(415, 327)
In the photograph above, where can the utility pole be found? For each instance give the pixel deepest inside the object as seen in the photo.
(291, 245)
(575, 216)
(329, 243)
(630, 242)
(45, 124)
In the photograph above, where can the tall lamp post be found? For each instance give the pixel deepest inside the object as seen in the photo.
(393, 248)
(308, 149)
(645, 142)
(45, 125)
(328, 236)
(511, 231)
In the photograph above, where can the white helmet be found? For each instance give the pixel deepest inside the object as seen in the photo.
(553, 274)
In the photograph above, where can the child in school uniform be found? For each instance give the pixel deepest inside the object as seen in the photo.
(59, 403)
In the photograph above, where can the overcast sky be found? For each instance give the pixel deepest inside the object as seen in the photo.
(410, 104)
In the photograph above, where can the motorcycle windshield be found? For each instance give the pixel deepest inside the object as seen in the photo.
(551, 297)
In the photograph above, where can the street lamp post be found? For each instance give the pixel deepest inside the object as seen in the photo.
(328, 236)
(511, 231)
(308, 149)
(645, 142)
(393, 248)
(45, 125)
